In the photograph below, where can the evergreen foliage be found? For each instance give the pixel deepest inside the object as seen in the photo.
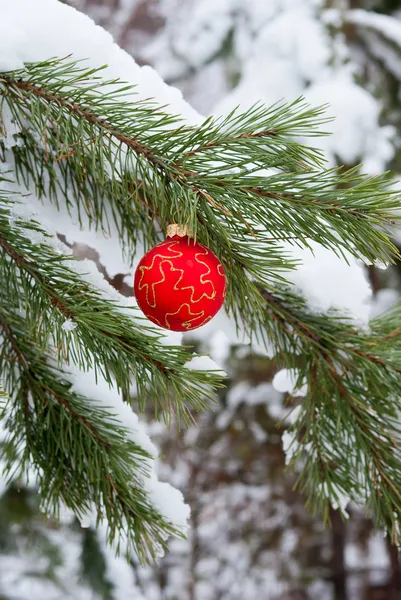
(243, 184)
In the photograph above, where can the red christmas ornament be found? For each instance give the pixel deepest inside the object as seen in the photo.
(180, 284)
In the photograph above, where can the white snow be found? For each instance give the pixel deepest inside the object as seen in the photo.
(239, 393)
(97, 389)
(327, 281)
(168, 501)
(374, 557)
(68, 325)
(285, 381)
(44, 29)
(203, 363)
(338, 498)
(385, 25)
(289, 446)
(356, 135)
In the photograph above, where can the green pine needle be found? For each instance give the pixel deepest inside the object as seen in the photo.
(244, 184)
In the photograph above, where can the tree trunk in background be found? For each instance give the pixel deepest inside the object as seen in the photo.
(194, 534)
(339, 575)
(395, 581)
(379, 592)
(195, 549)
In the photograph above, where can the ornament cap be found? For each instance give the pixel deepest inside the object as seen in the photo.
(180, 230)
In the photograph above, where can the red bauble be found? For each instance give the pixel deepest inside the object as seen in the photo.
(180, 284)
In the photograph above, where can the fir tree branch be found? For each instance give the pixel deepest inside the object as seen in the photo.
(75, 108)
(224, 179)
(348, 421)
(118, 344)
(116, 154)
(24, 363)
(210, 193)
(63, 432)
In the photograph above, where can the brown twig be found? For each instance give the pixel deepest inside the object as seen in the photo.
(75, 151)
(76, 415)
(214, 143)
(392, 334)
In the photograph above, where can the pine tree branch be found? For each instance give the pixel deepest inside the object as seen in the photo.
(77, 431)
(225, 192)
(281, 313)
(316, 194)
(23, 363)
(75, 108)
(348, 421)
(173, 169)
(120, 155)
(59, 303)
(119, 344)
(229, 140)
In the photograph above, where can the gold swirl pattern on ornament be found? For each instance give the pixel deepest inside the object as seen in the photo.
(176, 285)
(143, 269)
(155, 319)
(187, 324)
(153, 285)
(220, 271)
(209, 318)
(191, 287)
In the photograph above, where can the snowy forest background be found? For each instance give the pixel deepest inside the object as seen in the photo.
(251, 536)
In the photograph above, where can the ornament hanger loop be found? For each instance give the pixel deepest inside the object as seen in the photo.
(180, 230)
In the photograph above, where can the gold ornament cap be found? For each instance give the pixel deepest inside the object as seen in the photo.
(180, 230)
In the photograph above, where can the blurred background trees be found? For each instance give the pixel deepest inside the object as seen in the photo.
(251, 536)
